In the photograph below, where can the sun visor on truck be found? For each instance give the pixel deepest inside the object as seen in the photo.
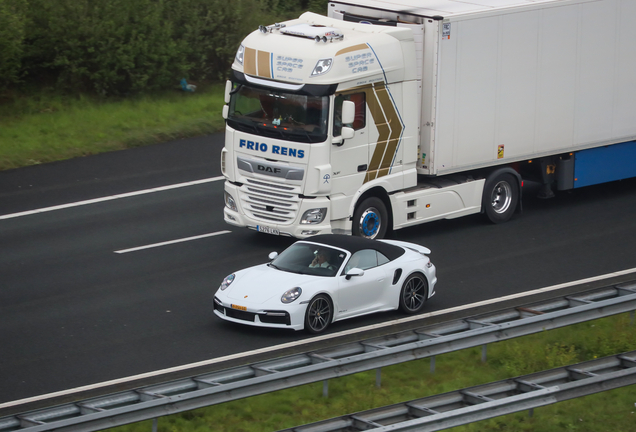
(305, 89)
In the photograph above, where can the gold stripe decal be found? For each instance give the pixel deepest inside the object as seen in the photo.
(249, 61)
(389, 125)
(352, 48)
(263, 64)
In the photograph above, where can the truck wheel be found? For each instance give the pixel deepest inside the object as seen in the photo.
(318, 315)
(414, 294)
(370, 219)
(501, 195)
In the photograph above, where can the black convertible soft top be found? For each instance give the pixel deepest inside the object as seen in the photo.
(354, 244)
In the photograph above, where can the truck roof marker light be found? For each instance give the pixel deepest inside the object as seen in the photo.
(270, 28)
(319, 33)
(240, 53)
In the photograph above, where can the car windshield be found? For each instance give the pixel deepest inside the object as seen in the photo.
(277, 114)
(310, 258)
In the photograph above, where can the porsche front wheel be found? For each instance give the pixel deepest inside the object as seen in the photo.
(414, 293)
(319, 314)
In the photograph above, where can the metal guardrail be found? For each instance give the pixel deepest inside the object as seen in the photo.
(485, 401)
(294, 370)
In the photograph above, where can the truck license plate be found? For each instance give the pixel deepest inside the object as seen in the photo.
(243, 308)
(267, 230)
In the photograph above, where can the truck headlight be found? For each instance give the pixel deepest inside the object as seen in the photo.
(229, 201)
(322, 67)
(314, 216)
(291, 295)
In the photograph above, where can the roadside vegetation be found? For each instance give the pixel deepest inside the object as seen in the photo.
(613, 410)
(53, 127)
(80, 77)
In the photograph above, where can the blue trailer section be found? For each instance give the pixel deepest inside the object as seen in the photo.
(605, 164)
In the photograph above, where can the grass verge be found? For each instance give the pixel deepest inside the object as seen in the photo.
(48, 128)
(608, 411)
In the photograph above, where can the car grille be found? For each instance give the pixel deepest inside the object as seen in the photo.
(241, 315)
(270, 317)
(269, 201)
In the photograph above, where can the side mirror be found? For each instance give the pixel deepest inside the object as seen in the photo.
(354, 272)
(347, 133)
(272, 255)
(228, 89)
(348, 112)
(226, 111)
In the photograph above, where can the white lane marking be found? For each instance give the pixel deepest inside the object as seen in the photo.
(172, 242)
(111, 197)
(318, 338)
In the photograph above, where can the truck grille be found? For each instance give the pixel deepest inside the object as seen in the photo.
(269, 201)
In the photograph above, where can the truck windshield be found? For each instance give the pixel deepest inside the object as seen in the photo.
(276, 114)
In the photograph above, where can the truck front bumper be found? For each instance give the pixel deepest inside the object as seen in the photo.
(237, 217)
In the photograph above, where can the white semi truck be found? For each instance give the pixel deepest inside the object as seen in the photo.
(388, 114)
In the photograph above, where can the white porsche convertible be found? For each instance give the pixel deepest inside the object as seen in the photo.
(328, 278)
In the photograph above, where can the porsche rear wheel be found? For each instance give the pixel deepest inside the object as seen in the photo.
(414, 294)
(319, 314)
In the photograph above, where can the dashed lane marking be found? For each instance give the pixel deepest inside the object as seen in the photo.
(111, 197)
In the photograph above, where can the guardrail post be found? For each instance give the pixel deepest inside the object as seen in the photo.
(432, 364)
(325, 388)
(530, 412)
(631, 318)
(484, 348)
(154, 424)
(378, 377)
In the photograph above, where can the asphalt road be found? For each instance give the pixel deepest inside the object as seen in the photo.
(74, 312)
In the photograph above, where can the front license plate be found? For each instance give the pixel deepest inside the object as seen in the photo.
(243, 308)
(267, 230)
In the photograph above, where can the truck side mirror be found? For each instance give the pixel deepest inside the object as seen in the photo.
(348, 112)
(228, 89)
(347, 132)
(226, 111)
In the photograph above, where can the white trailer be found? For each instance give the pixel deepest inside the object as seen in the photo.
(387, 114)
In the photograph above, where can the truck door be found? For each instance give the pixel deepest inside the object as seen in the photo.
(349, 159)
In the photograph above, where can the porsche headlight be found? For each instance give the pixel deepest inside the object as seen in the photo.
(226, 282)
(291, 295)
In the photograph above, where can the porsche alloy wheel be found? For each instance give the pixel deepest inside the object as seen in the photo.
(414, 293)
(319, 314)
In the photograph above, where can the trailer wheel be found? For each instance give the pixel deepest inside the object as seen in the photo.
(501, 196)
(370, 219)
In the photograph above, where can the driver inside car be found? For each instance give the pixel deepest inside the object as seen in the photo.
(321, 259)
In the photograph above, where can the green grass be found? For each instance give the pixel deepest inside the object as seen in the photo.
(607, 411)
(48, 128)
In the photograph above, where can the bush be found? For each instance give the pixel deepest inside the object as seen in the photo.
(12, 31)
(121, 47)
(105, 46)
